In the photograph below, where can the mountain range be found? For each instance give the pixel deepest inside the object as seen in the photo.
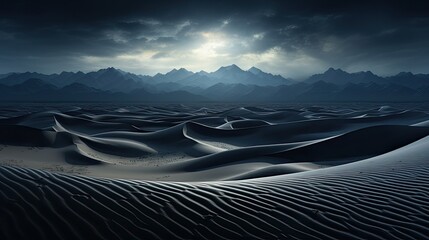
(229, 83)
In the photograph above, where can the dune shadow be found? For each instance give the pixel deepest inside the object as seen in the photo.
(74, 158)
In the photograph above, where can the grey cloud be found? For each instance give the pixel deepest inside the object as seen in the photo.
(338, 33)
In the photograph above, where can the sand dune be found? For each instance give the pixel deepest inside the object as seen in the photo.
(186, 172)
(378, 198)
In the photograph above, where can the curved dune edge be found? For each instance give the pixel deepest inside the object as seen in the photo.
(180, 143)
(384, 197)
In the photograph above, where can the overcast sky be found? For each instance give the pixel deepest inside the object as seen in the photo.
(291, 38)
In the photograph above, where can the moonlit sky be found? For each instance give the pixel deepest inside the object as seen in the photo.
(291, 38)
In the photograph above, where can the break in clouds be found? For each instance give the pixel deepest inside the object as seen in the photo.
(292, 38)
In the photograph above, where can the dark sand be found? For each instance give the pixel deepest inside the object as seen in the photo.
(217, 172)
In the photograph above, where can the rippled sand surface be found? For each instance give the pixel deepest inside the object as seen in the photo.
(214, 172)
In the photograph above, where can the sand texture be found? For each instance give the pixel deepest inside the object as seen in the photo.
(214, 172)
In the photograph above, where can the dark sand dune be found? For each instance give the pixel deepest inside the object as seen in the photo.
(32, 137)
(352, 146)
(214, 172)
(358, 144)
(287, 115)
(380, 198)
(88, 127)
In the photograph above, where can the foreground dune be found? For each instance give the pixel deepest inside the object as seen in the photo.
(308, 173)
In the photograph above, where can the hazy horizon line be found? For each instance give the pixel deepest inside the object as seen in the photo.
(178, 68)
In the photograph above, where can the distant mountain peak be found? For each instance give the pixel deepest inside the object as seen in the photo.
(255, 70)
(173, 75)
(333, 70)
(340, 77)
(231, 67)
(203, 73)
(109, 70)
(180, 70)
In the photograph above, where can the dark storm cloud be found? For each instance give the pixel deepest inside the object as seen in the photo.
(55, 35)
